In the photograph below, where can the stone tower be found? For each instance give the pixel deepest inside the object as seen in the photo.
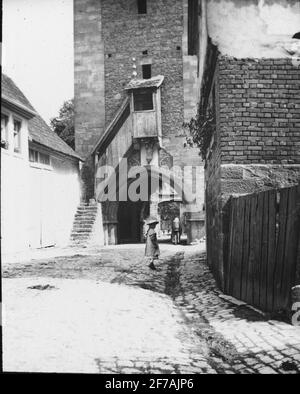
(159, 38)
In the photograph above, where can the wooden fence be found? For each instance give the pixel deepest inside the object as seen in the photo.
(260, 249)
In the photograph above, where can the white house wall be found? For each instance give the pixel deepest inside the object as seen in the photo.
(34, 198)
(66, 189)
(253, 28)
(14, 203)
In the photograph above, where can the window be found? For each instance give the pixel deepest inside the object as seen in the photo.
(44, 159)
(142, 6)
(146, 71)
(145, 52)
(4, 131)
(38, 157)
(143, 101)
(33, 156)
(17, 136)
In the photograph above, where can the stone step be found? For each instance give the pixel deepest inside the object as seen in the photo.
(80, 238)
(86, 213)
(87, 209)
(72, 242)
(81, 230)
(81, 218)
(86, 204)
(84, 217)
(84, 222)
(74, 235)
(82, 226)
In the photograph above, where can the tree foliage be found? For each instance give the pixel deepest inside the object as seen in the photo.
(63, 124)
(201, 129)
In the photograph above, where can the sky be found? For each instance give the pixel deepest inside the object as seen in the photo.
(38, 51)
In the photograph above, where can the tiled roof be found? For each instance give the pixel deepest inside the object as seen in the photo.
(38, 129)
(10, 91)
(41, 133)
(153, 82)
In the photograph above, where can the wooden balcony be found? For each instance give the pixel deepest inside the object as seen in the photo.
(145, 107)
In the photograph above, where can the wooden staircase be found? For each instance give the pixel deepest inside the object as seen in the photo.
(83, 225)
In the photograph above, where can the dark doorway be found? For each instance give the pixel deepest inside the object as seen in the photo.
(129, 222)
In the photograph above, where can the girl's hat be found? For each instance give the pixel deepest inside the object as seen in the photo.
(151, 220)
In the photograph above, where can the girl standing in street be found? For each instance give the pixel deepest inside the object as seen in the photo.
(152, 249)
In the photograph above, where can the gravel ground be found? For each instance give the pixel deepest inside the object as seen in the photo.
(104, 311)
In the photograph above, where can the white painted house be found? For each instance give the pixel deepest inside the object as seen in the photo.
(40, 187)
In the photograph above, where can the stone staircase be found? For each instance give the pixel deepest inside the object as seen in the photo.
(83, 225)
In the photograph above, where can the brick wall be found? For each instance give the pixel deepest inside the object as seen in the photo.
(257, 141)
(259, 111)
(213, 196)
(259, 124)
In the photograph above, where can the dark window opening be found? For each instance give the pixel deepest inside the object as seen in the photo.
(143, 101)
(193, 28)
(146, 71)
(17, 136)
(142, 6)
(33, 156)
(38, 157)
(4, 131)
(297, 35)
(109, 55)
(178, 48)
(44, 159)
(145, 52)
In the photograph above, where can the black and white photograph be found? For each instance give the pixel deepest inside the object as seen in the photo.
(150, 189)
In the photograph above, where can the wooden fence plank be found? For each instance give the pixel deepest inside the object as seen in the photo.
(238, 241)
(291, 247)
(271, 248)
(230, 246)
(245, 246)
(233, 246)
(262, 246)
(251, 261)
(257, 248)
(280, 248)
(264, 252)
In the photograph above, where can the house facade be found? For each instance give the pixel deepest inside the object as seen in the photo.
(40, 187)
(137, 73)
(250, 86)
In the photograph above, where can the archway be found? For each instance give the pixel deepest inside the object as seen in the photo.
(167, 211)
(124, 220)
(131, 217)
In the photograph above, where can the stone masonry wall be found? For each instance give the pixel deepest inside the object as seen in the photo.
(126, 35)
(89, 74)
(108, 34)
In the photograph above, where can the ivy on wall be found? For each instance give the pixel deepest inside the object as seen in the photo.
(201, 129)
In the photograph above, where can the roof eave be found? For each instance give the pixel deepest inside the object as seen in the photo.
(17, 107)
(75, 156)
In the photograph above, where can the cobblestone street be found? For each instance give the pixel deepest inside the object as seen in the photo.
(104, 311)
